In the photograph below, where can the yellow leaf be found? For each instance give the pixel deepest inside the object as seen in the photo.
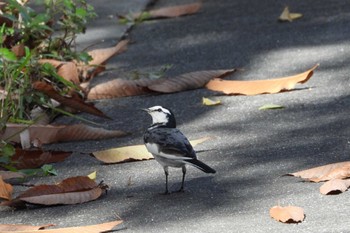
(92, 175)
(131, 153)
(209, 102)
(287, 16)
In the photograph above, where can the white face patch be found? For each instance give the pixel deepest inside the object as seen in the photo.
(159, 114)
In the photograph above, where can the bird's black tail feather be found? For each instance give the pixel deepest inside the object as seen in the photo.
(200, 165)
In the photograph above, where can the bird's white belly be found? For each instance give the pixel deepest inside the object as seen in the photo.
(162, 158)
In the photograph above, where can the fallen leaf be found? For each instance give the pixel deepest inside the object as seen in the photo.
(131, 153)
(255, 87)
(34, 158)
(288, 214)
(92, 175)
(18, 50)
(335, 186)
(98, 228)
(119, 88)
(188, 81)
(44, 134)
(75, 101)
(74, 190)
(210, 102)
(271, 106)
(8, 175)
(287, 16)
(22, 227)
(172, 11)
(5, 190)
(327, 172)
(100, 56)
(67, 70)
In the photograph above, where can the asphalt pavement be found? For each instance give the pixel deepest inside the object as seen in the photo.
(250, 148)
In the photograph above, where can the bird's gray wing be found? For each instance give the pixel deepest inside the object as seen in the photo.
(171, 142)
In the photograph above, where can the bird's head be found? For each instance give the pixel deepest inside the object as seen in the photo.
(161, 115)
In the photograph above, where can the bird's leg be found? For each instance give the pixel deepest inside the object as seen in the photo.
(166, 179)
(183, 178)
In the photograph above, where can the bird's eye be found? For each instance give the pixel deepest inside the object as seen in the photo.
(159, 110)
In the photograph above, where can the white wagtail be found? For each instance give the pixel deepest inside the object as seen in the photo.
(169, 146)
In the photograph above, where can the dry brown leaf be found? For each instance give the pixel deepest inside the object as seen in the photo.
(74, 190)
(174, 11)
(34, 158)
(99, 58)
(188, 81)
(119, 88)
(67, 70)
(327, 172)
(21, 227)
(288, 214)
(44, 134)
(8, 175)
(98, 228)
(255, 87)
(75, 101)
(131, 153)
(5, 190)
(335, 186)
(18, 50)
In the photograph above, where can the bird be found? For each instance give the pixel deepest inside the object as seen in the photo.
(169, 146)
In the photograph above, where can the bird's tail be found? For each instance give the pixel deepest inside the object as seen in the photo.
(200, 165)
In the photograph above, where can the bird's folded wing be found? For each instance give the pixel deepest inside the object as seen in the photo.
(173, 143)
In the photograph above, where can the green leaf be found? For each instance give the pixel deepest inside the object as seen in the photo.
(7, 54)
(49, 170)
(271, 107)
(8, 150)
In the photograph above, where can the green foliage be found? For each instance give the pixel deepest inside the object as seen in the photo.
(34, 31)
(50, 33)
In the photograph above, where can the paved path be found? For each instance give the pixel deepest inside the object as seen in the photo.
(253, 148)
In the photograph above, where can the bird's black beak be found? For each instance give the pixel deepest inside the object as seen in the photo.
(144, 109)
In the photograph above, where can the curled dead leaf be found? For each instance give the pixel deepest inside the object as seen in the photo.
(8, 175)
(5, 190)
(255, 87)
(34, 158)
(74, 190)
(288, 214)
(173, 11)
(45, 134)
(323, 173)
(335, 186)
(75, 101)
(119, 88)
